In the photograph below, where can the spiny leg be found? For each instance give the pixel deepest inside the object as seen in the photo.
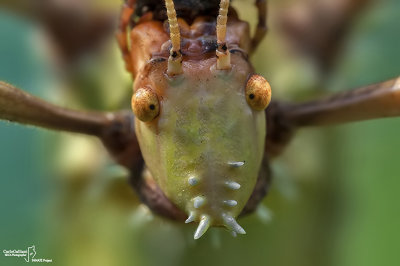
(122, 34)
(223, 55)
(175, 58)
(261, 29)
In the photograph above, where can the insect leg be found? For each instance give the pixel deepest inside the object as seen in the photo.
(374, 101)
(122, 35)
(261, 29)
(115, 129)
(19, 106)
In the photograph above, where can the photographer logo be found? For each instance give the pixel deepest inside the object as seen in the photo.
(28, 254)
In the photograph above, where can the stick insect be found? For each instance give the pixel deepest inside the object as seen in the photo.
(202, 131)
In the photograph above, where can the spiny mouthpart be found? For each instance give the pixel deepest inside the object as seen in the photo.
(205, 222)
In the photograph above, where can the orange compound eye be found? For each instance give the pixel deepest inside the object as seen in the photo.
(258, 92)
(145, 104)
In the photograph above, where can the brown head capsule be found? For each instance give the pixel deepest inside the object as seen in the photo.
(145, 104)
(258, 92)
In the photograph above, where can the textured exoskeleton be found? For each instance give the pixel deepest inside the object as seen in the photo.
(199, 109)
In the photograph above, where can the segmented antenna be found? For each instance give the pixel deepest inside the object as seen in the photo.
(223, 55)
(175, 58)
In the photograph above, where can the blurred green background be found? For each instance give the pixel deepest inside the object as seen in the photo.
(334, 197)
